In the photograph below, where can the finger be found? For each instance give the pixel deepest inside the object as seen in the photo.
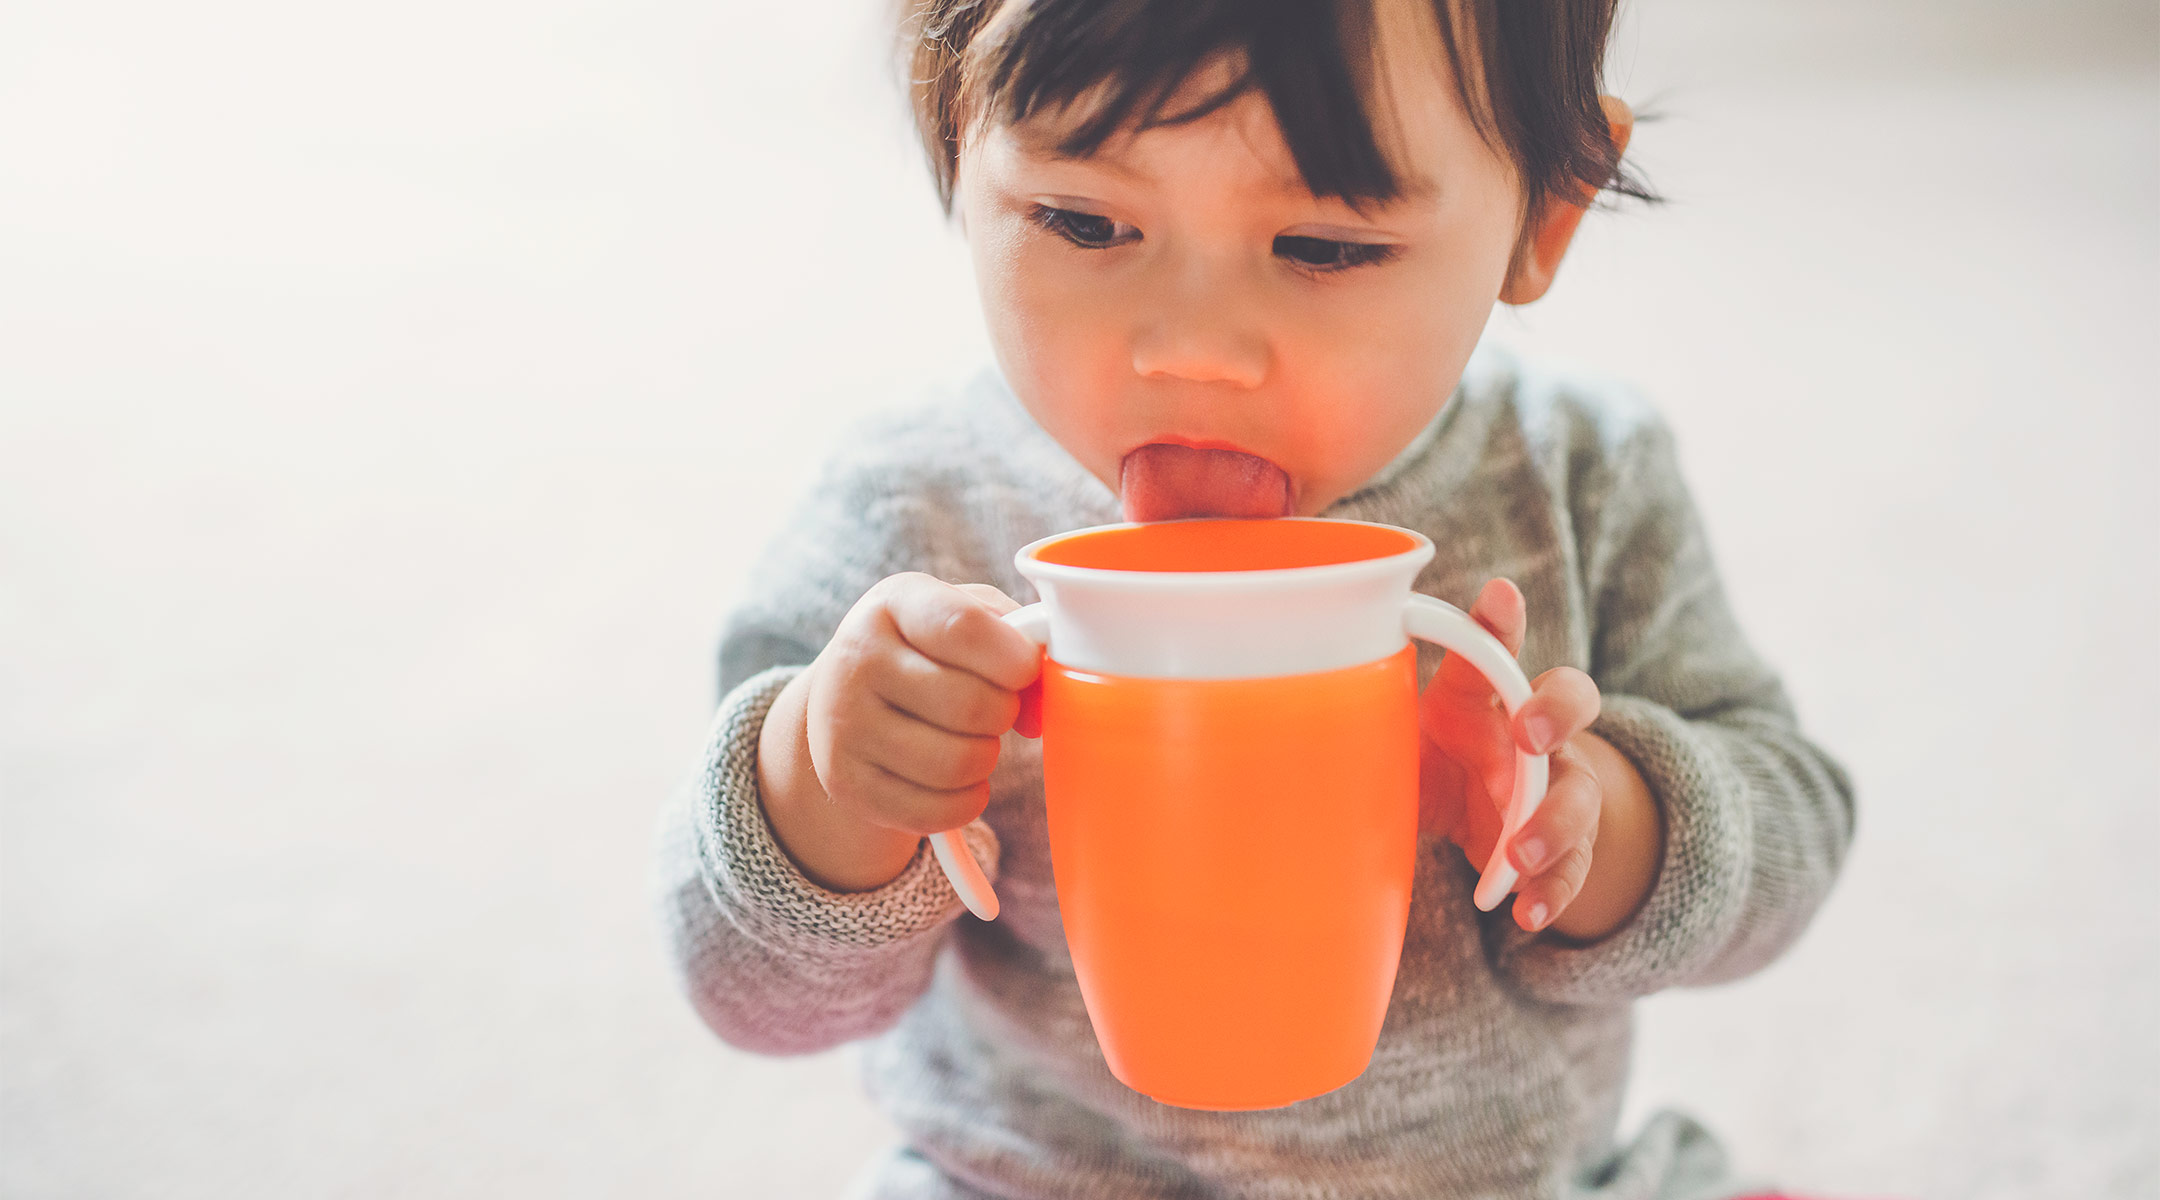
(949, 698)
(1563, 702)
(847, 745)
(1539, 904)
(1027, 722)
(952, 627)
(897, 803)
(1499, 609)
(1476, 741)
(1560, 845)
(919, 752)
(1477, 824)
(1463, 727)
(1568, 815)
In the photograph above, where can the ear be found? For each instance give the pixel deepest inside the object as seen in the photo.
(1553, 227)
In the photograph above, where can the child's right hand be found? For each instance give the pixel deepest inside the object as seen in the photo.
(900, 716)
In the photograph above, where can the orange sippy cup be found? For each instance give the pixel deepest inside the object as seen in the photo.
(1230, 772)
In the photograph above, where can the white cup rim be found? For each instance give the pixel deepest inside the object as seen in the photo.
(1358, 570)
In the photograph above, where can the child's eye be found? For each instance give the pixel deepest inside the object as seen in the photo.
(1322, 255)
(1082, 229)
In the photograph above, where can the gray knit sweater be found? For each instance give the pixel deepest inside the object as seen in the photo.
(1502, 1061)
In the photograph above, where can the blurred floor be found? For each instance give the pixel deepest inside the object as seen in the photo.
(388, 408)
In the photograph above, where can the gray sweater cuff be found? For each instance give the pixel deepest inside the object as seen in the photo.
(761, 891)
(1700, 895)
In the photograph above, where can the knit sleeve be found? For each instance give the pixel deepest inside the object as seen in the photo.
(772, 961)
(1757, 817)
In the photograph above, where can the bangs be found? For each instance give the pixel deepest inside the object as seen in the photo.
(1119, 65)
(1528, 72)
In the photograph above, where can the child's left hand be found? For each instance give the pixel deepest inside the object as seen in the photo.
(1467, 765)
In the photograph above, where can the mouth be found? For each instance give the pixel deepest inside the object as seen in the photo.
(1176, 480)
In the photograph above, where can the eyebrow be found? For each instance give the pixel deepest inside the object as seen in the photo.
(1410, 189)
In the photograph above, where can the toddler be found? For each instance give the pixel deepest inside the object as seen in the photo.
(1236, 257)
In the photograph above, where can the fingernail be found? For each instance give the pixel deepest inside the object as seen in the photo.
(1538, 916)
(1529, 855)
(1540, 729)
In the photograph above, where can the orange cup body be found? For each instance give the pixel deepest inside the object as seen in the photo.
(1233, 861)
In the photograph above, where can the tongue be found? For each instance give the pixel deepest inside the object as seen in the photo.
(1161, 482)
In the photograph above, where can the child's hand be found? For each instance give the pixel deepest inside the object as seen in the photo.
(908, 699)
(1467, 765)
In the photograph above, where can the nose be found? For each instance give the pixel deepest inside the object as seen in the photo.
(1198, 326)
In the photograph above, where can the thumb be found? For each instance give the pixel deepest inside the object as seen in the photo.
(990, 598)
(1029, 721)
(1499, 609)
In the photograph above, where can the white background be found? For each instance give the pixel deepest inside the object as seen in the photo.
(392, 395)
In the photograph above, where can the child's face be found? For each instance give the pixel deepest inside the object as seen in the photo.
(1183, 286)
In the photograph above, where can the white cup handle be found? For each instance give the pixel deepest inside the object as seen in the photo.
(952, 853)
(1453, 630)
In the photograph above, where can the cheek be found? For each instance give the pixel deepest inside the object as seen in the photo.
(1377, 343)
(1047, 317)
(1049, 306)
(1375, 367)
(1054, 336)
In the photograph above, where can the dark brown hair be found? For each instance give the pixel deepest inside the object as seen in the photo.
(1541, 62)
